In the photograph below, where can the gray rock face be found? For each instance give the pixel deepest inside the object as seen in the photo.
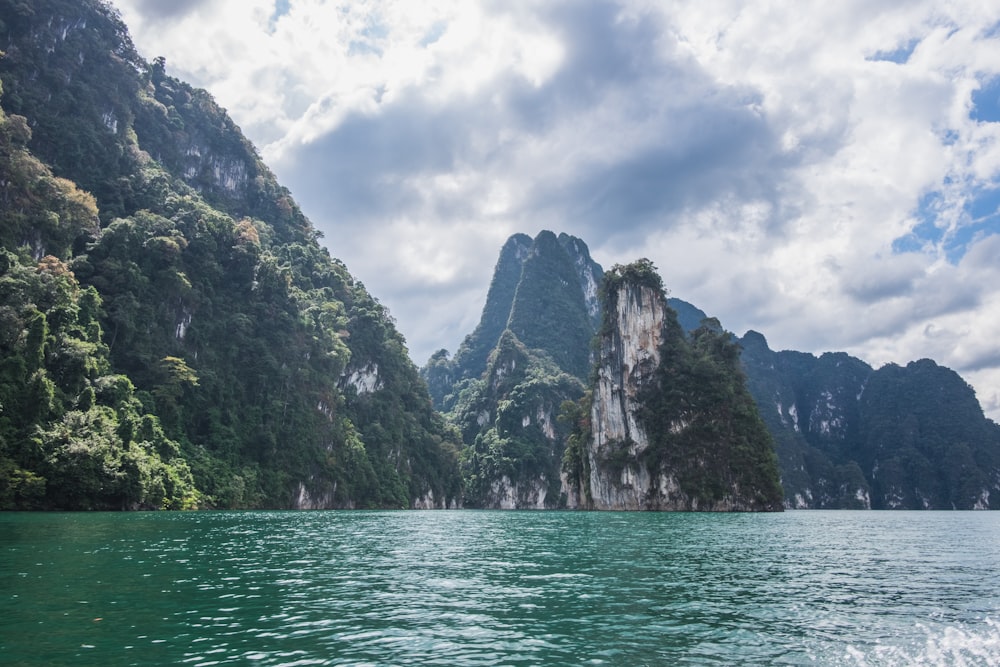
(672, 426)
(629, 354)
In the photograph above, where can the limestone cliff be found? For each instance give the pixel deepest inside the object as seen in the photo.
(629, 354)
(672, 426)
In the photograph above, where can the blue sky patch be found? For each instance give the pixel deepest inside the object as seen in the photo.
(899, 55)
(986, 102)
(370, 41)
(981, 217)
(281, 7)
(926, 231)
(434, 34)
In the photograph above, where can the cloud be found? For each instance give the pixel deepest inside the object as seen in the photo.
(826, 175)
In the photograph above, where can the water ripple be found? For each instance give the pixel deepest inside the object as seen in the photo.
(510, 588)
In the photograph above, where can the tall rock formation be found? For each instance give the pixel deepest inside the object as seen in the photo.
(528, 355)
(671, 425)
(544, 290)
(629, 355)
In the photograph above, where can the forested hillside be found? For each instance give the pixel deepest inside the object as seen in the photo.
(173, 334)
(850, 436)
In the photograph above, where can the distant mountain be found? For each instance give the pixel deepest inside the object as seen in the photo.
(848, 436)
(171, 332)
(544, 290)
(845, 435)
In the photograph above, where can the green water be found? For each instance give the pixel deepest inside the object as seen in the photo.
(491, 588)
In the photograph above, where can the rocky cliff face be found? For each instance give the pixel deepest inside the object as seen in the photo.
(629, 355)
(589, 274)
(671, 424)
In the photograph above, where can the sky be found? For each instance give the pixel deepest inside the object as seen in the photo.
(827, 174)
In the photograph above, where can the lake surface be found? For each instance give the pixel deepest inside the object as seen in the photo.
(500, 588)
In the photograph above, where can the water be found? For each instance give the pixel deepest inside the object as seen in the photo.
(500, 588)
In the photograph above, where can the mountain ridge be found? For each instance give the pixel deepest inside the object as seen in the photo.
(843, 437)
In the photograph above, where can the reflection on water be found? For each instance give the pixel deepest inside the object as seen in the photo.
(485, 588)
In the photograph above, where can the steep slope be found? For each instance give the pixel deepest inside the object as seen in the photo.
(589, 274)
(544, 290)
(848, 436)
(282, 381)
(528, 356)
(672, 426)
(550, 311)
(469, 362)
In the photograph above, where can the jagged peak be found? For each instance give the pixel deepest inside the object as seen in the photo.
(754, 339)
(517, 244)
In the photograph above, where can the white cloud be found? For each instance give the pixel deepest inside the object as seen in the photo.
(766, 156)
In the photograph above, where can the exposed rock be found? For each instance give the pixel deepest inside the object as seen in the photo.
(648, 447)
(629, 354)
(365, 380)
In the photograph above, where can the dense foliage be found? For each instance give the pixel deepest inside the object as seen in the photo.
(703, 424)
(925, 440)
(848, 436)
(549, 311)
(511, 419)
(272, 375)
(527, 356)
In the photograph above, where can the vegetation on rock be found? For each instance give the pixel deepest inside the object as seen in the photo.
(192, 341)
(849, 436)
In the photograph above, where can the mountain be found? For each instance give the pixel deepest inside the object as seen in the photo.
(544, 290)
(849, 436)
(546, 427)
(845, 435)
(671, 423)
(173, 334)
(529, 354)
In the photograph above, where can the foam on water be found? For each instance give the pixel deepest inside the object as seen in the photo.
(951, 646)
